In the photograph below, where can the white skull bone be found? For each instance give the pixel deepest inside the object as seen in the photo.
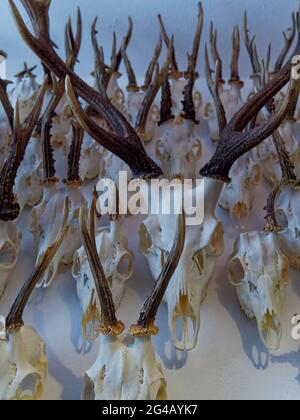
(10, 239)
(126, 369)
(260, 271)
(23, 366)
(238, 196)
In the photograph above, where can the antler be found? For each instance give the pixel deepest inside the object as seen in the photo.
(213, 39)
(251, 47)
(288, 41)
(122, 139)
(28, 71)
(152, 91)
(166, 102)
(75, 154)
(46, 124)
(214, 90)
(197, 39)
(9, 208)
(7, 106)
(189, 112)
(175, 73)
(73, 44)
(152, 65)
(145, 325)
(109, 323)
(236, 46)
(234, 142)
(14, 320)
(132, 84)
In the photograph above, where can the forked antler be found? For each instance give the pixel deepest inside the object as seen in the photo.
(213, 40)
(109, 323)
(145, 325)
(175, 73)
(288, 41)
(73, 43)
(122, 139)
(132, 83)
(9, 208)
(192, 63)
(27, 71)
(14, 321)
(152, 65)
(251, 47)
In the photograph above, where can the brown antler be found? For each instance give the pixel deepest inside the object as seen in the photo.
(9, 208)
(9, 111)
(236, 46)
(122, 139)
(132, 84)
(152, 65)
(14, 320)
(175, 73)
(27, 71)
(75, 154)
(251, 47)
(213, 39)
(288, 41)
(145, 325)
(197, 40)
(73, 44)
(166, 104)
(109, 323)
(189, 112)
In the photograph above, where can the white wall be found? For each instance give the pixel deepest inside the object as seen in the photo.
(267, 18)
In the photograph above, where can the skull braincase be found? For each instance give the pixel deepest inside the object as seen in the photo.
(238, 196)
(178, 149)
(288, 216)
(10, 239)
(188, 287)
(117, 263)
(260, 272)
(23, 366)
(125, 370)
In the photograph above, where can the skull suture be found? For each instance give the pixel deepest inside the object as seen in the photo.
(23, 366)
(177, 148)
(126, 369)
(10, 239)
(117, 260)
(188, 287)
(45, 225)
(238, 196)
(260, 271)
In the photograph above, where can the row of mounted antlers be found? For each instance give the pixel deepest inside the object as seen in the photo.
(111, 133)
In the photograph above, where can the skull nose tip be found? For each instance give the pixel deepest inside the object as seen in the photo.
(270, 330)
(239, 214)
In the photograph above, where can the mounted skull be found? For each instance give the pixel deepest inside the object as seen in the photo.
(126, 368)
(23, 361)
(117, 260)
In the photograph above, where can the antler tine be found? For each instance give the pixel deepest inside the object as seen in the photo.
(150, 95)
(46, 124)
(145, 325)
(74, 155)
(7, 106)
(251, 46)
(72, 43)
(152, 65)
(100, 71)
(236, 46)
(197, 38)
(14, 320)
(288, 41)
(175, 69)
(234, 144)
(132, 83)
(9, 208)
(26, 71)
(214, 91)
(189, 112)
(125, 44)
(120, 137)
(213, 37)
(109, 323)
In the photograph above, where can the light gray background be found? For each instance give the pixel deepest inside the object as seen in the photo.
(229, 361)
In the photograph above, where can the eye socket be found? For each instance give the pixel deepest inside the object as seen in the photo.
(282, 218)
(124, 267)
(7, 256)
(236, 272)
